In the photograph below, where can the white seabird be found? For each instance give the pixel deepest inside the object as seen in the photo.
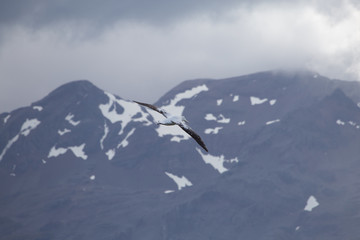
(176, 120)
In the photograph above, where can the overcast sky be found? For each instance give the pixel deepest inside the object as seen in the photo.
(140, 49)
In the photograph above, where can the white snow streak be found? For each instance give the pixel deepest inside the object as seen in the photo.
(236, 98)
(272, 102)
(215, 161)
(339, 122)
(223, 119)
(219, 119)
(125, 142)
(272, 122)
(25, 130)
(311, 204)
(6, 118)
(110, 154)
(219, 102)
(212, 130)
(62, 132)
(241, 123)
(39, 108)
(106, 131)
(8, 145)
(351, 123)
(130, 110)
(169, 191)
(210, 117)
(69, 118)
(78, 151)
(180, 182)
(54, 152)
(29, 125)
(256, 101)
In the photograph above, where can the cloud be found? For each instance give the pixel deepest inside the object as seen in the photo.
(135, 55)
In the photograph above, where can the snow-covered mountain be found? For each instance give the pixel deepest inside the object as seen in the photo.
(283, 162)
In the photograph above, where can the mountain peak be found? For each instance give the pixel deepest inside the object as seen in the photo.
(74, 90)
(78, 86)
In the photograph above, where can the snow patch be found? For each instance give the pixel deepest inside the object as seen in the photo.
(169, 191)
(110, 154)
(125, 142)
(54, 152)
(219, 102)
(69, 118)
(215, 161)
(210, 117)
(351, 123)
(6, 118)
(272, 122)
(219, 119)
(39, 108)
(241, 123)
(131, 109)
(106, 131)
(43, 161)
(222, 119)
(78, 151)
(92, 177)
(181, 182)
(311, 204)
(62, 132)
(8, 145)
(272, 102)
(177, 133)
(213, 130)
(236, 98)
(256, 100)
(339, 122)
(297, 228)
(26, 128)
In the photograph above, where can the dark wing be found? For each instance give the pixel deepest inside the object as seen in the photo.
(152, 107)
(194, 135)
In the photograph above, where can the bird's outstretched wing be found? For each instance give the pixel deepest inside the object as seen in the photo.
(194, 135)
(153, 108)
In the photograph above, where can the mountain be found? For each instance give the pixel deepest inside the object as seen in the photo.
(283, 162)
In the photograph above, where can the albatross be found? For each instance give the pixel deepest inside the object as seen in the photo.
(175, 120)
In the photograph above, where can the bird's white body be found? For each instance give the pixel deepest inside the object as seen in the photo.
(181, 121)
(173, 120)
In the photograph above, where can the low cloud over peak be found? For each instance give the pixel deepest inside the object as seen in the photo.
(121, 45)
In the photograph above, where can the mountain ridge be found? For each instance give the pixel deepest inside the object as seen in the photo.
(83, 163)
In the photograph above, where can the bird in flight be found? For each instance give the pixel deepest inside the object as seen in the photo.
(175, 120)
